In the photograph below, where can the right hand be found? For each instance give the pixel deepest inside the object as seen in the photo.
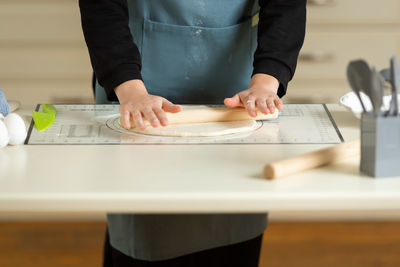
(138, 104)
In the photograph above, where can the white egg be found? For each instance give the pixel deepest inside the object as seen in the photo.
(16, 128)
(4, 138)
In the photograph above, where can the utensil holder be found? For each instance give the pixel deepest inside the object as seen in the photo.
(380, 145)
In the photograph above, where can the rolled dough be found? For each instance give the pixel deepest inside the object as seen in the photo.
(200, 129)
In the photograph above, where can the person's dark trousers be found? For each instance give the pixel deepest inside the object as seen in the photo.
(244, 254)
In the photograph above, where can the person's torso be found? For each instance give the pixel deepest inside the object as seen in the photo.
(198, 51)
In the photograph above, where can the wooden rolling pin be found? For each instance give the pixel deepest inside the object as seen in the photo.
(202, 115)
(312, 160)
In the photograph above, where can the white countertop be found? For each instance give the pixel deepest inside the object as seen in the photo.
(185, 179)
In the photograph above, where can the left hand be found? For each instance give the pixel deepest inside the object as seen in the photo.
(261, 95)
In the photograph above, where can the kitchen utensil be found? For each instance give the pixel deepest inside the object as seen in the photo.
(375, 91)
(395, 76)
(370, 83)
(380, 146)
(385, 73)
(215, 115)
(355, 79)
(312, 160)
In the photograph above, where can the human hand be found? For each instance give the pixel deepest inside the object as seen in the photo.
(137, 104)
(261, 95)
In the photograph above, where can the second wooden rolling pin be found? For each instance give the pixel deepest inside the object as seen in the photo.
(312, 160)
(202, 115)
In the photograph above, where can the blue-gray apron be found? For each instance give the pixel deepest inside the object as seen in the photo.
(197, 51)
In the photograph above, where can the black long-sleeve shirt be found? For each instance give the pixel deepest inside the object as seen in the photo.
(116, 58)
